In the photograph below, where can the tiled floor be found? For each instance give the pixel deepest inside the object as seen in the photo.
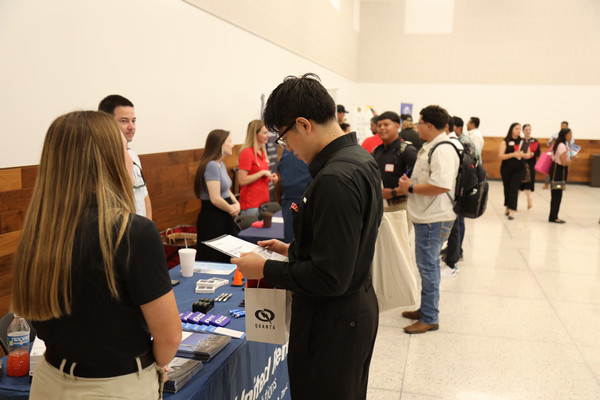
(521, 320)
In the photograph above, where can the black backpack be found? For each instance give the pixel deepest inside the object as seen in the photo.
(471, 190)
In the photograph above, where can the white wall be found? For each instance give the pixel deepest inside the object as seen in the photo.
(186, 71)
(543, 106)
(316, 30)
(189, 72)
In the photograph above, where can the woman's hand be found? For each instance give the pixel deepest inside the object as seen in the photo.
(235, 209)
(275, 245)
(274, 178)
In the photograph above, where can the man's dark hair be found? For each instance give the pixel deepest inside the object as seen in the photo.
(389, 115)
(109, 103)
(565, 122)
(450, 124)
(406, 117)
(374, 119)
(475, 121)
(458, 122)
(303, 96)
(435, 115)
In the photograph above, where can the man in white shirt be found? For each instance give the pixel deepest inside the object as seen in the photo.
(122, 110)
(474, 134)
(431, 190)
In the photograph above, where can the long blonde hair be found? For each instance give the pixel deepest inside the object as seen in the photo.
(253, 128)
(82, 164)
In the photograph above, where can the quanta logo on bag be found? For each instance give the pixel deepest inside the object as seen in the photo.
(265, 315)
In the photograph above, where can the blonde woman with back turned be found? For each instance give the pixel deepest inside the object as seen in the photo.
(90, 274)
(254, 174)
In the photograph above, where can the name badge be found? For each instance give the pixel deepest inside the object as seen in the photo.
(389, 167)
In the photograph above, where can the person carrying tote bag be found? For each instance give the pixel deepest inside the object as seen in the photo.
(561, 157)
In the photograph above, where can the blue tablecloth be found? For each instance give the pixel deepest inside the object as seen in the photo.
(253, 235)
(232, 374)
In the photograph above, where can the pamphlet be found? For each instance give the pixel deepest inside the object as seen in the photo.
(201, 346)
(574, 148)
(233, 246)
(180, 372)
(213, 268)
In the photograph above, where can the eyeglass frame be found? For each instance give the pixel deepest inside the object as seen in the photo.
(280, 140)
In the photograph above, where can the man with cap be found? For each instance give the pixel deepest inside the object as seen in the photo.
(341, 113)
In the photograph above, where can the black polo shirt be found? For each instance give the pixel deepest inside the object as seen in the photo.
(392, 164)
(335, 224)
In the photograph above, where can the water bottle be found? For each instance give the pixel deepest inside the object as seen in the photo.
(18, 347)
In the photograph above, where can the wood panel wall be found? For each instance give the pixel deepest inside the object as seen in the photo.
(170, 179)
(579, 170)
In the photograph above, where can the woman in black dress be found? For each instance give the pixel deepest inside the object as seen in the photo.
(213, 186)
(532, 146)
(512, 168)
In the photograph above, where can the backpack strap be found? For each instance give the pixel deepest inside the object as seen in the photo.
(458, 153)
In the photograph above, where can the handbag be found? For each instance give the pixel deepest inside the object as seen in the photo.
(176, 238)
(268, 314)
(544, 163)
(557, 185)
(393, 270)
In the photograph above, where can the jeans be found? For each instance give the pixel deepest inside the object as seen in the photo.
(428, 243)
(251, 211)
(454, 249)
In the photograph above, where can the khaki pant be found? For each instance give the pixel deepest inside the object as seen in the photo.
(51, 384)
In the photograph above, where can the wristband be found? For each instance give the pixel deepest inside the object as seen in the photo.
(394, 193)
(411, 189)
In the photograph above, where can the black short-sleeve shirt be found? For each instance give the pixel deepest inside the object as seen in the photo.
(101, 330)
(394, 160)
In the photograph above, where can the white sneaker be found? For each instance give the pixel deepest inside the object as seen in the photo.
(447, 272)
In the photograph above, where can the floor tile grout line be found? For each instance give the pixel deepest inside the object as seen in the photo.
(405, 365)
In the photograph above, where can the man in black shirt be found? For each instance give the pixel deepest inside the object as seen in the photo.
(334, 312)
(395, 157)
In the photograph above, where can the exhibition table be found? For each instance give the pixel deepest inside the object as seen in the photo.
(253, 235)
(240, 368)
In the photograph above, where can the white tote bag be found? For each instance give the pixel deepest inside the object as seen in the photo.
(394, 273)
(268, 313)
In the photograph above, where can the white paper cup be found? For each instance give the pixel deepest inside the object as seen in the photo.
(187, 257)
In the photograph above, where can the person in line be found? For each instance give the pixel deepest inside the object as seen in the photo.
(341, 113)
(123, 112)
(453, 253)
(529, 145)
(372, 141)
(475, 134)
(408, 133)
(334, 310)
(395, 157)
(512, 168)
(550, 142)
(253, 171)
(294, 179)
(90, 274)
(431, 190)
(213, 186)
(345, 127)
(561, 157)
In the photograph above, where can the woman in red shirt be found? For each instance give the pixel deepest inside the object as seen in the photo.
(254, 174)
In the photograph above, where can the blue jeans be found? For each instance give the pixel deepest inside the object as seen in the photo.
(251, 211)
(428, 243)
